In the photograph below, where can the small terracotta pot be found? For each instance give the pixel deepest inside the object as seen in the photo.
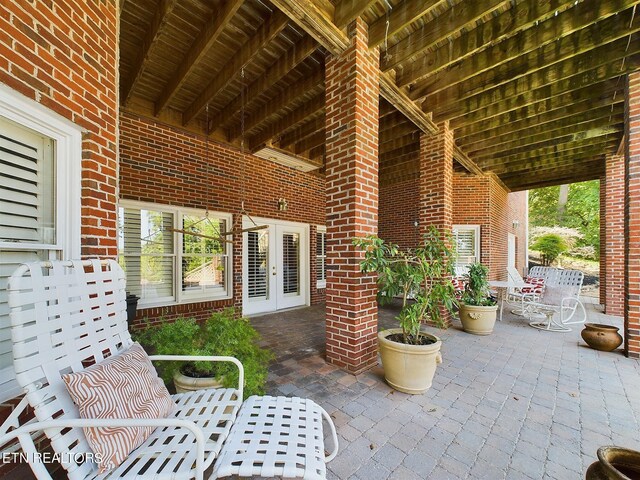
(601, 337)
(615, 463)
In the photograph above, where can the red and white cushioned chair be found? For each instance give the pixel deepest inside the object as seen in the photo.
(458, 286)
(65, 314)
(522, 296)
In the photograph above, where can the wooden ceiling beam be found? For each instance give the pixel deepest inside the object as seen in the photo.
(526, 129)
(567, 34)
(529, 183)
(400, 160)
(206, 39)
(303, 131)
(348, 10)
(437, 30)
(593, 97)
(399, 130)
(398, 143)
(584, 164)
(464, 160)
(598, 126)
(531, 166)
(276, 72)
(508, 67)
(265, 34)
(522, 15)
(318, 153)
(149, 42)
(289, 121)
(309, 143)
(410, 149)
(317, 22)
(533, 117)
(603, 63)
(305, 86)
(401, 16)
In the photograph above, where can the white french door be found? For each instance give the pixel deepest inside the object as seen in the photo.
(511, 250)
(274, 267)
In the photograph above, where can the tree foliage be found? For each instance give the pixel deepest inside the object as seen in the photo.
(582, 211)
(551, 246)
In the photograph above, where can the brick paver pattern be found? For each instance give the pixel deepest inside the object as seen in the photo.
(519, 404)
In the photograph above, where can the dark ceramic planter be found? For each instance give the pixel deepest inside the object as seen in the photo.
(615, 463)
(132, 307)
(601, 337)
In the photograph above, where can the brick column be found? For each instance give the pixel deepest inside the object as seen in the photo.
(613, 239)
(352, 89)
(436, 184)
(603, 246)
(632, 218)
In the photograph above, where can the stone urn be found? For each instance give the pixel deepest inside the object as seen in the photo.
(601, 337)
(476, 319)
(186, 384)
(615, 463)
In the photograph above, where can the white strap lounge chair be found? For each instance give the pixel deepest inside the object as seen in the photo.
(65, 314)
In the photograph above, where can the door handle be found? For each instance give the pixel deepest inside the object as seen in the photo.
(273, 271)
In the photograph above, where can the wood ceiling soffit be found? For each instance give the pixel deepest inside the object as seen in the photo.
(302, 87)
(150, 41)
(298, 52)
(206, 39)
(516, 66)
(520, 16)
(348, 10)
(401, 16)
(303, 131)
(318, 23)
(291, 120)
(437, 30)
(269, 30)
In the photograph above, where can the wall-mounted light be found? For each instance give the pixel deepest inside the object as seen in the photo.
(515, 224)
(282, 205)
(415, 223)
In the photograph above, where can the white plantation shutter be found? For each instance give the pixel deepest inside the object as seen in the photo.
(467, 238)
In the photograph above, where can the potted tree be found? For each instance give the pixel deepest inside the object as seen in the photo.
(477, 310)
(422, 278)
(222, 334)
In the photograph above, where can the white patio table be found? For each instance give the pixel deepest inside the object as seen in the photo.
(502, 286)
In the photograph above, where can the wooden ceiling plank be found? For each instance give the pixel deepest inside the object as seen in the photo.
(302, 132)
(289, 121)
(464, 160)
(348, 10)
(557, 34)
(398, 143)
(287, 62)
(582, 165)
(289, 95)
(398, 130)
(401, 16)
(495, 71)
(150, 41)
(579, 72)
(205, 41)
(437, 30)
(265, 34)
(311, 142)
(524, 14)
(606, 123)
(531, 184)
(410, 149)
(536, 166)
(530, 117)
(490, 118)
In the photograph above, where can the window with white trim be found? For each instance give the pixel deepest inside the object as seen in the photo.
(40, 157)
(467, 238)
(321, 257)
(174, 255)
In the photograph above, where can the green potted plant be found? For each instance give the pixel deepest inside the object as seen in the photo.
(422, 278)
(477, 310)
(222, 334)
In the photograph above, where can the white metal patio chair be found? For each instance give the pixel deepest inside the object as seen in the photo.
(65, 314)
(521, 296)
(561, 296)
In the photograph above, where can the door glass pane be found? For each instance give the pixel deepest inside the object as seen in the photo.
(291, 263)
(258, 264)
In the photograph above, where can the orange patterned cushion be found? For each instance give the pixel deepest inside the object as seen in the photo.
(122, 386)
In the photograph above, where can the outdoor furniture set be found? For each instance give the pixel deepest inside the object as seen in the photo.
(75, 360)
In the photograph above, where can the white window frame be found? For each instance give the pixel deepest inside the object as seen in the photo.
(67, 152)
(476, 229)
(180, 297)
(321, 283)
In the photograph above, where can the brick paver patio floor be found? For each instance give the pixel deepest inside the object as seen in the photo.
(521, 403)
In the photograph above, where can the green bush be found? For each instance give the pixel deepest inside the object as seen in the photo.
(223, 334)
(551, 246)
(476, 290)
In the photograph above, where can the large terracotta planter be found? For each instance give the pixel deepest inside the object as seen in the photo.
(185, 384)
(409, 368)
(601, 337)
(478, 320)
(615, 463)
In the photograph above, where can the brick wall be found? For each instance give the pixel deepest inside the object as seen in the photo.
(631, 215)
(161, 164)
(612, 236)
(399, 210)
(352, 90)
(62, 54)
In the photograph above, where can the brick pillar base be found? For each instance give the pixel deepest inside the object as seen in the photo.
(352, 89)
(613, 240)
(436, 184)
(632, 218)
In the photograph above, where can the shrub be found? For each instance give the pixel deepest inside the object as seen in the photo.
(476, 290)
(551, 246)
(222, 334)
